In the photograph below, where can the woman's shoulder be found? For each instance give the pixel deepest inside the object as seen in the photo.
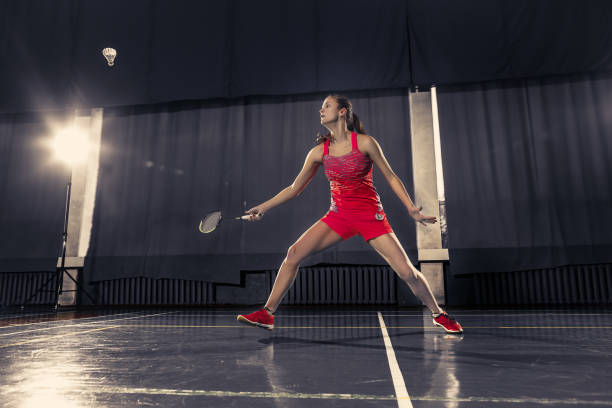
(365, 141)
(369, 146)
(317, 152)
(364, 138)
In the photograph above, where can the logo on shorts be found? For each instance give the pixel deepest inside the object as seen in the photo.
(379, 216)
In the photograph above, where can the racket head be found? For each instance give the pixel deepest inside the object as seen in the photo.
(210, 222)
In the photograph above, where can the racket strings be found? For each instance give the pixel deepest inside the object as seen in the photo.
(210, 222)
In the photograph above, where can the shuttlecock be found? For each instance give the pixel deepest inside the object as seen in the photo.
(110, 54)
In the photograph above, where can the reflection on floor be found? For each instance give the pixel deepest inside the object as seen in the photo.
(323, 357)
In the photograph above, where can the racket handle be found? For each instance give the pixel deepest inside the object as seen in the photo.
(246, 217)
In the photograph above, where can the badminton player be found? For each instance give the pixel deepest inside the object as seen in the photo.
(347, 154)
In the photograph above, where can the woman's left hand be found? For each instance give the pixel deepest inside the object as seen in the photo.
(422, 219)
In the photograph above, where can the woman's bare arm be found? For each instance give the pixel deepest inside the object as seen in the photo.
(370, 146)
(311, 165)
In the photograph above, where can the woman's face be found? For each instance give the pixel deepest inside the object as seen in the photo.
(329, 111)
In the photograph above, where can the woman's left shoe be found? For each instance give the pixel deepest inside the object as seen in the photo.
(260, 318)
(448, 323)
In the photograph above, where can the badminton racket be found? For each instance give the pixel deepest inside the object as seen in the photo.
(210, 221)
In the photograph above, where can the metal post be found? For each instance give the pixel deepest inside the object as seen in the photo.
(62, 268)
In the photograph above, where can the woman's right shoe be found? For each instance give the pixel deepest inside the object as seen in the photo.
(448, 323)
(260, 318)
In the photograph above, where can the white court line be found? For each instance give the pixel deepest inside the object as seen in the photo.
(403, 399)
(83, 324)
(415, 314)
(493, 314)
(39, 340)
(64, 320)
(284, 315)
(104, 389)
(100, 388)
(18, 316)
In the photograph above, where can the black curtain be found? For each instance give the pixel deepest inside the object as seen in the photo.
(195, 50)
(36, 46)
(32, 193)
(205, 49)
(481, 40)
(528, 174)
(163, 167)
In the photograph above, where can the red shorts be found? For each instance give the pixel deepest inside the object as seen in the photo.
(366, 223)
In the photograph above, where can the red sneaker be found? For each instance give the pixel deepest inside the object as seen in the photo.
(448, 323)
(260, 318)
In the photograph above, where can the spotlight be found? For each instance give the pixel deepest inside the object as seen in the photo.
(70, 145)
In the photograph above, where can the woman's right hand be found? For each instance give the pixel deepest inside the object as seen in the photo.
(256, 212)
(422, 219)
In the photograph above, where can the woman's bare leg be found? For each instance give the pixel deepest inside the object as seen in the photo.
(315, 239)
(389, 247)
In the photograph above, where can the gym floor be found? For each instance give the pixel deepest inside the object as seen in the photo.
(315, 357)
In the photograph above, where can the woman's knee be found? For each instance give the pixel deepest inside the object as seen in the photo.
(293, 255)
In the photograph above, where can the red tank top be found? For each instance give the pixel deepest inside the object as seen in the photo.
(350, 180)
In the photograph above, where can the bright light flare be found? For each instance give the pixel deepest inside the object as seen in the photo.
(70, 145)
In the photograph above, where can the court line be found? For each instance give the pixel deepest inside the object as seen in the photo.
(513, 314)
(548, 327)
(284, 315)
(18, 316)
(418, 315)
(63, 320)
(403, 399)
(37, 340)
(103, 389)
(236, 326)
(524, 400)
(358, 327)
(82, 324)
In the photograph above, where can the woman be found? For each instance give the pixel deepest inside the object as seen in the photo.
(347, 154)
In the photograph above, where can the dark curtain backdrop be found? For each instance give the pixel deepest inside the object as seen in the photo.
(163, 167)
(480, 40)
(195, 50)
(204, 49)
(528, 175)
(32, 193)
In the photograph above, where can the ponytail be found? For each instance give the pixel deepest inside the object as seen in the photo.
(322, 138)
(355, 125)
